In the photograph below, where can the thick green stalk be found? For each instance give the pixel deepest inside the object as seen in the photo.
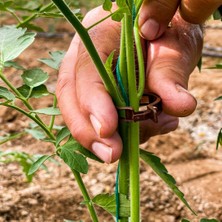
(85, 196)
(84, 35)
(133, 130)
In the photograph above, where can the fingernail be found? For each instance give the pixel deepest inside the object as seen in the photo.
(181, 89)
(103, 151)
(96, 124)
(150, 29)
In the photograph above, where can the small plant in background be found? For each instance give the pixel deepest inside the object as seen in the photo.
(124, 204)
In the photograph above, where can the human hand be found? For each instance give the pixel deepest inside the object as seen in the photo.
(88, 109)
(156, 15)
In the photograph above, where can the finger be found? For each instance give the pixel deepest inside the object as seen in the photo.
(155, 16)
(198, 11)
(171, 59)
(166, 124)
(89, 112)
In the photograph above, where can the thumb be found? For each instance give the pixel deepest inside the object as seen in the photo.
(198, 11)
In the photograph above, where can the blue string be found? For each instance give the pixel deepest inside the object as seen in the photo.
(120, 82)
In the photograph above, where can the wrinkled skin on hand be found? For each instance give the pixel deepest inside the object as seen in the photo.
(155, 15)
(88, 109)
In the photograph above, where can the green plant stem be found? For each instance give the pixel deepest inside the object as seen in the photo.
(140, 59)
(12, 137)
(85, 196)
(30, 116)
(33, 16)
(83, 33)
(53, 117)
(18, 94)
(133, 130)
(134, 167)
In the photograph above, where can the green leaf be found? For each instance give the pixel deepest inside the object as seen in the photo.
(199, 64)
(6, 94)
(78, 147)
(107, 5)
(218, 98)
(185, 220)
(62, 134)
(34, 77)
(22, 158)
(5, 5)
(73, 159)
(108, 203)
(208, 220)
(51, 111)
(13, 65)
(55, 60)
(121, 3)
(37, 92)
(13, 41)
(38, 163)
(155, 163)
(219, 139)
(37, 134)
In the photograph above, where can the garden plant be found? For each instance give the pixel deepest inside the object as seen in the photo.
(125, 85)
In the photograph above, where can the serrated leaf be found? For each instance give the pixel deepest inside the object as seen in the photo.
(6, 94)
(62, 134)
(34, 77)
(73, 159)
(37, 92)
(37, 134)
(155, 163)
(108, 203)
(38, 163)
(107, 5)
(51, 111)
(78, 147)
(13, 41)
(55, 60)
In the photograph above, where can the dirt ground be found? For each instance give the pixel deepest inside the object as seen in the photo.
(188, 153)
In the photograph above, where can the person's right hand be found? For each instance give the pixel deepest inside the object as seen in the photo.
(88, 109)
(155, 15)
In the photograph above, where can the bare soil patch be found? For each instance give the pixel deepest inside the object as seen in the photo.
(189, 154)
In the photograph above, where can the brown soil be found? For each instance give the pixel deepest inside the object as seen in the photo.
(188, 153)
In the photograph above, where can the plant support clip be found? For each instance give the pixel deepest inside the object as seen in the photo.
(150, 108)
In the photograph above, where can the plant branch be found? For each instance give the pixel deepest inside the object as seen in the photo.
(85, 196)
(33, 16)
(30, 116)
(83, 33)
